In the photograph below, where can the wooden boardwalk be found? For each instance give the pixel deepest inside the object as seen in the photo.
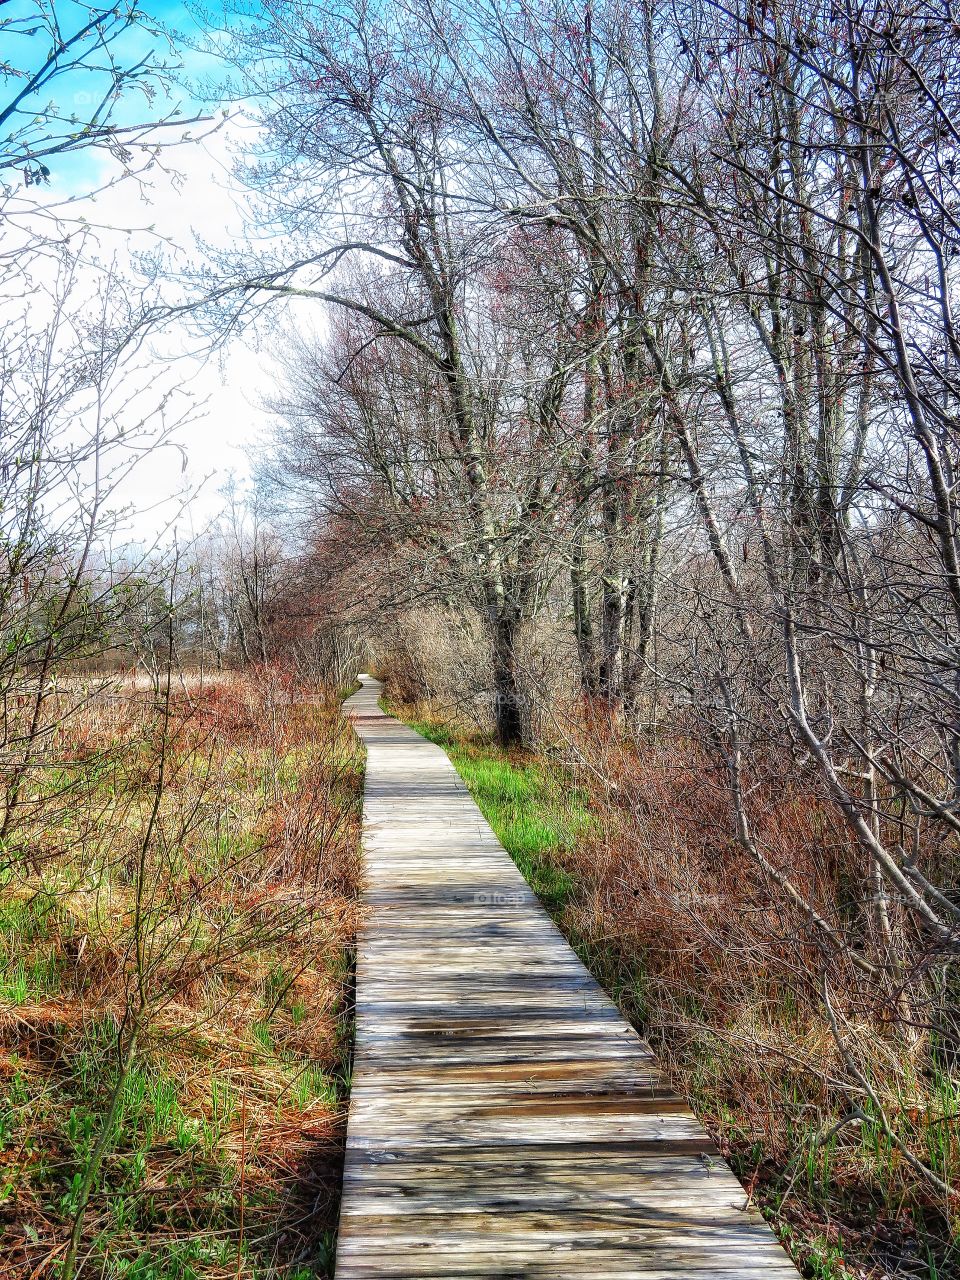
(505, 1121)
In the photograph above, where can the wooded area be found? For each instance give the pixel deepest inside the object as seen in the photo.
(638, 408)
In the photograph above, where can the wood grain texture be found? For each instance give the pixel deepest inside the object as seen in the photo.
(505, 1121)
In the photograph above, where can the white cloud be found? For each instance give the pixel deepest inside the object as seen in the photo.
(188, 195)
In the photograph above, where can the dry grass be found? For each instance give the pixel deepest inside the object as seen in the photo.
(727, 979)
(185, 867)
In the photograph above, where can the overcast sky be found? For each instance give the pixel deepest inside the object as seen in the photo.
(191, 195)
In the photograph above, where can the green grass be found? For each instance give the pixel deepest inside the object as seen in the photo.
(186, 1260)
(534, 810)
(29, 971)
(315, 1085)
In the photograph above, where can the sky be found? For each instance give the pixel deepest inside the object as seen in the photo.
(191, 196)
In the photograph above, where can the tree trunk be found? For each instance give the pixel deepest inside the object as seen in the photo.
(611, 661)
(582, 622)
(512, 722)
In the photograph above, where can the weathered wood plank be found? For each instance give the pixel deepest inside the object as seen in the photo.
(505, 1120)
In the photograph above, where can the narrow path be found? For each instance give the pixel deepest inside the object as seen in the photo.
(505, 1121)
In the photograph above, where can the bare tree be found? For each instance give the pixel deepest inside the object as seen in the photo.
(659, 304)
(387, 178)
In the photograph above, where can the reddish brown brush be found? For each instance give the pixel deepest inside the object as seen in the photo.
(726, 976)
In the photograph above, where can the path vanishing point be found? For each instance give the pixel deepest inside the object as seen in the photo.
(505, 1121)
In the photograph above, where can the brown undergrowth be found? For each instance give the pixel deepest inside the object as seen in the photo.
(727, 978)
(820, 1107)
(176, 923)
